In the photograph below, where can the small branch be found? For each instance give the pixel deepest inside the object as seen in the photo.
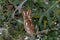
(18, 8)
(47, 30)
(43, 31)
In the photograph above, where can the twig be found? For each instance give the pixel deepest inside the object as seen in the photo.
(18, 8)
(47, 30)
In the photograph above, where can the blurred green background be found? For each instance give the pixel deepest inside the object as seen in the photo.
(45, 15)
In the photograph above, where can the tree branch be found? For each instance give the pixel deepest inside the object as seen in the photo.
(18, 8)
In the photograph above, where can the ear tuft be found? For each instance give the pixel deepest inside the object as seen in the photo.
(29, 11)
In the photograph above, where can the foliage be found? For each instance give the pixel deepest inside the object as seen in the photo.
(45, 15)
